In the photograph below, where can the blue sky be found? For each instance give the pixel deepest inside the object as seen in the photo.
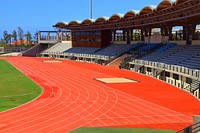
(32, 15)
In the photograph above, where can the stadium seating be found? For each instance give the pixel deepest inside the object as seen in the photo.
(106, 53)
(113, 50)
(32, 52)
(187, 56)
(165, 47)
(132, 47)
(58, 48)
(82, 50)
(149, 47)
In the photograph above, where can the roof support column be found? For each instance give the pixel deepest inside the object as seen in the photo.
(166, 31)
(170, 32)
(150, 31)
(70, 37)
(184, 32)
(57, 36)
(165, 34)
(131, 34)
(189, 32)
(114, 35)
(124, 35)
(142, 34)
(162, 30)
(147, 35)
(128, 36)
(176, 35)
(48, 36)
(39, 36)
(194, 31)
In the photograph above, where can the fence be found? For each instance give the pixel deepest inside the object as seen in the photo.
(174, 68)
(191, 129)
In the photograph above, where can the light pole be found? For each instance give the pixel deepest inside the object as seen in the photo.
(91, 9)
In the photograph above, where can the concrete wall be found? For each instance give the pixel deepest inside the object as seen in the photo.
(196, 119)
(120, 42)
(178, 42)
(1, 49)
(67, 42)
(196, 42)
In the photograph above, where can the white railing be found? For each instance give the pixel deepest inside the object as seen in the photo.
(93, 56)
(179, 69)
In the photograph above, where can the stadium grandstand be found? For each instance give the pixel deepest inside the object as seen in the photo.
(149, 37)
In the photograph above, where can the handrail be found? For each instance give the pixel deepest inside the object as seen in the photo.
(195, 128)
(175, 68)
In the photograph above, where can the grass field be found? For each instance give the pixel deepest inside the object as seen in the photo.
(119, 130)
(15, 88)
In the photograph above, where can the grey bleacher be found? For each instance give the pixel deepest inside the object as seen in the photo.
(188, 56)
(106, 53)
(80, 53)
(58, 48)
(82, 50)
(113, 50)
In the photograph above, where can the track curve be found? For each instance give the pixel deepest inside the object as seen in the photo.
(71, 98)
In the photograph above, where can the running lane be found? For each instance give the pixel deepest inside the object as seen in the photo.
(71, 99)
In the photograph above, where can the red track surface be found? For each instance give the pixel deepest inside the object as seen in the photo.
(71, 99)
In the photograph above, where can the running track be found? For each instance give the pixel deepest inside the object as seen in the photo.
(71, 99)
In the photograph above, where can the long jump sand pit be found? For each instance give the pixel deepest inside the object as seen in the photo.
(115, 80)
(52, 61)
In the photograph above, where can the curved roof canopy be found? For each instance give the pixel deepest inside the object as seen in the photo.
(101, 19)
(61, 24)
(147, 9)
(74, 22)
(88, 21)
(164, 4)
(132, 13)
(116, 17)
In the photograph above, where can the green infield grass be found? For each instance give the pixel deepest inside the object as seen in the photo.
(15, 88)
(119, 130)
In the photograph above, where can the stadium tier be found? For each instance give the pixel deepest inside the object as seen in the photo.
(149, 47)
(187, 56)
(113, 50)
(58, 48)
(64, 51)
(81, 50)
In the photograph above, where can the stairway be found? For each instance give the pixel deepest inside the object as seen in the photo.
(33, 51)
(118, 60)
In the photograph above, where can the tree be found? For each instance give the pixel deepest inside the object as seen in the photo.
(14, 35)
(28, 37)
(20, 34)
(9, 36)
(2, 43)
(36, 37)
(5, 36)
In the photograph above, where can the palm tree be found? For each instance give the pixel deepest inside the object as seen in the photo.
(9, 36)
(5, 36)
(20, 34)
(14, 35)
(28, 37)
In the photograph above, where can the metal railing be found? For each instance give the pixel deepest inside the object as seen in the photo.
(179, 69)
(191, 129)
